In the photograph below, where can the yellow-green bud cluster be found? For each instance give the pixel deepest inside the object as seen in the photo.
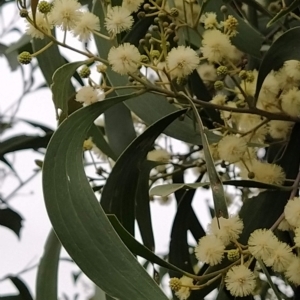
(243, 75)
(85, 72)
(44, 7)
(154, 53)
(144, 59)
(233, 254)
(222, 71)
(24, 58)
(174, 12)
(218, 85)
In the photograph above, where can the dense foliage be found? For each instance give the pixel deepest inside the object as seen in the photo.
(223, 78)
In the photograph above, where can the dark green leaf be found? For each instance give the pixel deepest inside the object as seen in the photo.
(120, 199)
(142, 209)
(167, 189)
(119, 127)
(22, 142)
(47, 275)
(137, 248)
(49, 61)
(11, 220)
(100, 142)
(22, 288)
(62, 78)
(79, 220)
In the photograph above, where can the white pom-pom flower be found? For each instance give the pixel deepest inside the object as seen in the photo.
(88, 95)
(87, 23)
(118, 19)
(293, 271)
(216, 46)
(240, 281)
(262, 243)
(41, 23)
(182, 61)
(65, 13)
(210, 250)
(290, 102)
(232, 148)
(226, 230)
(280, 257)
(292, 212)
(124, 59)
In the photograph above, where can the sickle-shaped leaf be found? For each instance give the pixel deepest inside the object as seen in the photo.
(118, 196)
(80, 222)
(46, 284)
(11, 219)
(62, 78)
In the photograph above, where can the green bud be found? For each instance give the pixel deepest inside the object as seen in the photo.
(222, 71)
(85, 72)
(233, 254)
(174, 12)
(23, 13)
(24, 58)
(251, 175)
(219, 85)
(44, 7)
(243, 75)
(144, 59)
(155, 54)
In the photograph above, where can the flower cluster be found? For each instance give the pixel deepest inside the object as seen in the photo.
(263, 245)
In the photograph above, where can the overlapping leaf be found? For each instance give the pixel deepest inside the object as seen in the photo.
(80, 222)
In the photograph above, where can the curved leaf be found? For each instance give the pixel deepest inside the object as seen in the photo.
(138, 249)
(80, 222)
(62, 78)
(46, 283)
(167, 189)
(22, 288)
(119, 199)
(11, 220)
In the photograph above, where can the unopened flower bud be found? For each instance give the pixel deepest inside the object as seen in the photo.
(144, 59)
(141, 15)
(218, 85)
(251, 175)
(243, 75)
(101, 68)
(23, 13)
(44, 7)
(233, 254)
(24, 58)
(174, 12)
(222, 71)
(85, 72)
(155, 54)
